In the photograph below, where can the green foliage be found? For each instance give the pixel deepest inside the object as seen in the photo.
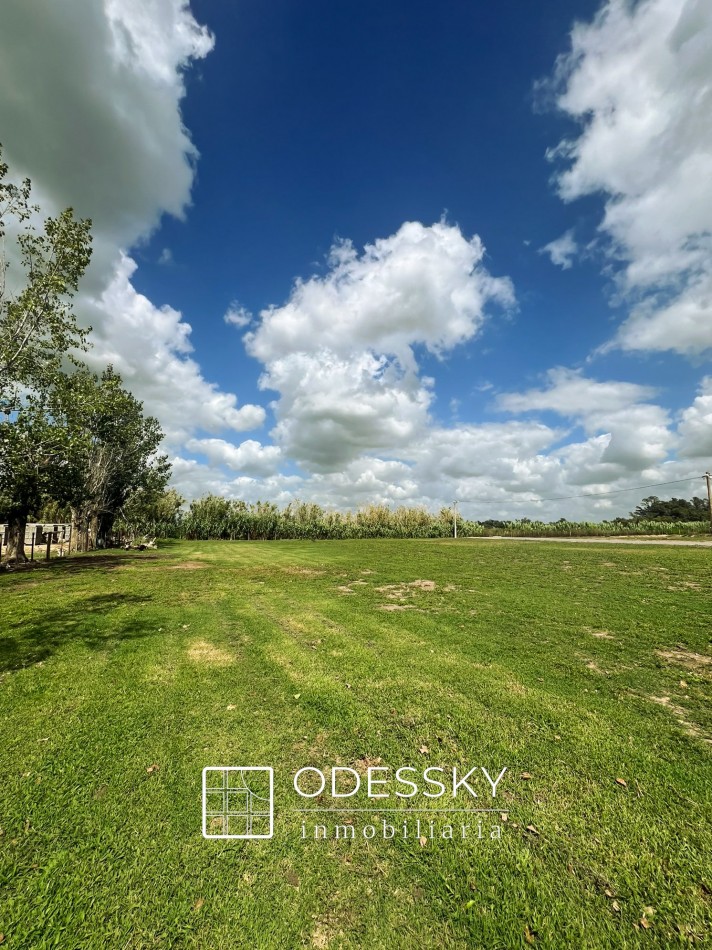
(37, 326)
(590, 529)
(217, 518)
(52, 511)
(148, 514)
(69, 438)
(36, 442)
(653, 508)
(115, 456)
(31, 446)
(38, 332)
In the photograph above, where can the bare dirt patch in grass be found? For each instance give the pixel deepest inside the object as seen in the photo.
(348, 588)
(200, 651)
(686, 658)
(594, 667)
(423, 585)
(188, 566)
(679, 713)
(323, 935)
(396, 607)
(600, 634)
(406, 589)
(394, 591)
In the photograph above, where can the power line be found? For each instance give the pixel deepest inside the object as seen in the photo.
(600, 494)
(618, 491)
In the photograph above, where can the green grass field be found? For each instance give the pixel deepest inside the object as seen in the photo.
(585, 668)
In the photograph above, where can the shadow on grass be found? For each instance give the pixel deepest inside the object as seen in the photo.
(81, 562)
(85, 621)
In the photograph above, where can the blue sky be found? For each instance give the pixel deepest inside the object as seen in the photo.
(518, 307)
(345, 120)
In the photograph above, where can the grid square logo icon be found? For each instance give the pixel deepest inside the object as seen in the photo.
(238, 801)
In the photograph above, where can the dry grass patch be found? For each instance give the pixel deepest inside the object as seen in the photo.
(513, 686)
(200, 651)
(188, 566)
(323, 936)
(679, 713)
(294, 626)
(599, 634)
(366, 763)
(161, 674)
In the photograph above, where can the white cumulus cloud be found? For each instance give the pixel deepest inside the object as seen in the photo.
(570, 393)
(628, 432)
(150, 347)
(420, 285)
(562, 250)
(638, 79)
(250, 457)
(695, 427)
(237, 316)
(341, 352)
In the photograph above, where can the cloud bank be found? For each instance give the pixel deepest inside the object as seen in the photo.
(90, 111)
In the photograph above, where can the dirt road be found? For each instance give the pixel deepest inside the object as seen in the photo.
(681, 543)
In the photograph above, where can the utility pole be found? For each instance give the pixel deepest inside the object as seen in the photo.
(454, 514)
(707, 478)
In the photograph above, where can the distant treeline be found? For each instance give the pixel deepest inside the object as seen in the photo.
(217, 518)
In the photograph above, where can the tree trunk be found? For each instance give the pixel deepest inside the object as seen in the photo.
(93, 523)
(16, 528)
(77, 531)
(106, 528)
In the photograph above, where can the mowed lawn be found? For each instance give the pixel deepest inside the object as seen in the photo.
(585, 669)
